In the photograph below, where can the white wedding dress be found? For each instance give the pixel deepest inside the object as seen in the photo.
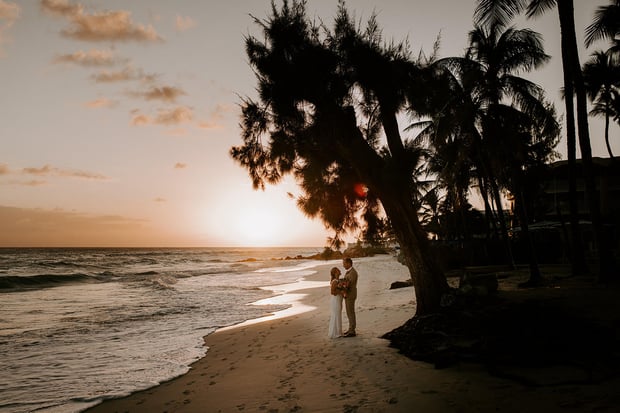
(335, 318)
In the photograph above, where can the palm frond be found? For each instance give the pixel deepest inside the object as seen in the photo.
(537, 7)
(606, 24)
(500, 12)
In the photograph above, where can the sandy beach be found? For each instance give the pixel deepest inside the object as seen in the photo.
(287, 364)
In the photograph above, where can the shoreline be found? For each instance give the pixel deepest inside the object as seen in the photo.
(287, 364)
(311, 293)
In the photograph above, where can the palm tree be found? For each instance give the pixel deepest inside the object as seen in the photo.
(501, 12)
(502, 52)
(602, 78)
(325, 96)
(527, 144)
(606, 25)
(480, 107)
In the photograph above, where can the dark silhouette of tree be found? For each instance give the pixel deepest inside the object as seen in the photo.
(602, 79)
(606, 25)
(489, 12)
(528, 145)
(327, 107)
(483, 114)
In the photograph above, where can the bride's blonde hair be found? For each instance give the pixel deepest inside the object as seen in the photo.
(335, 272)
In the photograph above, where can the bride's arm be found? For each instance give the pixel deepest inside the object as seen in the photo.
(334, 287)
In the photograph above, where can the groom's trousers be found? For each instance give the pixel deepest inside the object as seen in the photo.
(349, 304)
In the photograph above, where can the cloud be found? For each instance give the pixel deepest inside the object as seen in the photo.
(61, 8)
(115, 25)
(9, 13)
(215, 117)
(167, 117)
(111, 77)
(126, 74)
(180, 165)
(91, 58)
(184, 23)
(100, 103)
(32, 182)
(48, 170)
(45, 170)
(6, 171)
(164, 93)
(175, 116)
(140, 119)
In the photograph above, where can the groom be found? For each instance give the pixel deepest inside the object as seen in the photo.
(349, 301)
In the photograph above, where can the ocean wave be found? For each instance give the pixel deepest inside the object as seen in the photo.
(164, 282)
(14, 282)
(154, 305)
(53, 264)
(147, 273)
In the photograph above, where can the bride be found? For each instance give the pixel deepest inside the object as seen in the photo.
(335, 305)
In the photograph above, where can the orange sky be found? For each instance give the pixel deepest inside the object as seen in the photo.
(118, 117)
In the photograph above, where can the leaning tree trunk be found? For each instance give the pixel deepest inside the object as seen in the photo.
(429, 281)
(394, 188)
(391, 182)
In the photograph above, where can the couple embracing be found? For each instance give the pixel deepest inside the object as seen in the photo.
(342, 289)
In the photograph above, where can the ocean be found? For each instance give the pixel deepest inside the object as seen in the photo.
(78, 326)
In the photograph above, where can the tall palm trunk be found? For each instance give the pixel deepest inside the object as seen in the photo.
(496, 197)
(462, 207)
(567, 26)
(607, 115)
(536, 278)
(489, 214)
(490, 176)
(578, 260)
(502, 224)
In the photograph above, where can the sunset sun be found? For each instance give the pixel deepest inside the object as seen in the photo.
(267, 218)
(259, 227)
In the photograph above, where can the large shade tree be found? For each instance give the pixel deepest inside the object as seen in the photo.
(327, 112)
